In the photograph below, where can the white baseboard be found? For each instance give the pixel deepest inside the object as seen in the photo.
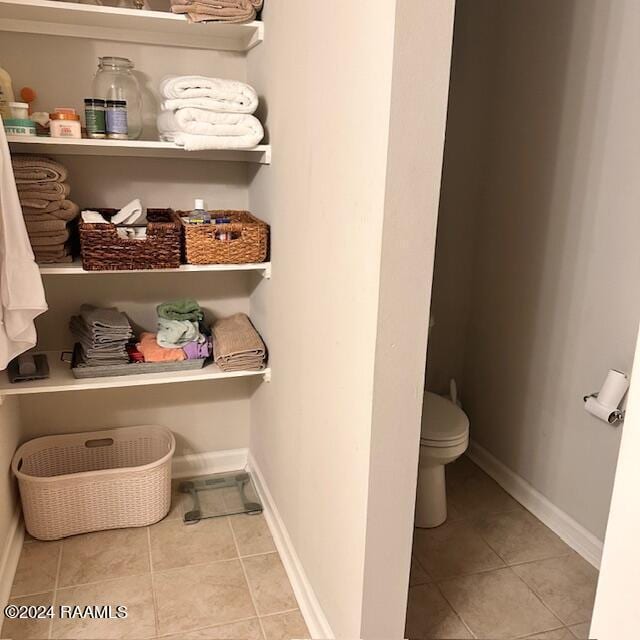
(10, 557)
(573, 533)
(200, 464)
(310, 608)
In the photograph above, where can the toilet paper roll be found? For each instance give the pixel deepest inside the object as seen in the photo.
(597, 409)
(613, 389)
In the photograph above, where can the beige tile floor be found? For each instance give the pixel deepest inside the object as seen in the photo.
(494, 571)
(220, 579)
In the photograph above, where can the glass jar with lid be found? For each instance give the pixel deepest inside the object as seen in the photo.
(114, 80)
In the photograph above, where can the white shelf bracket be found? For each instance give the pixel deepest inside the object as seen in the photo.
(266, 273)
(267, 376)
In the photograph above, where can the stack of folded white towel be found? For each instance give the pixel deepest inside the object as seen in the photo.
(209, 113)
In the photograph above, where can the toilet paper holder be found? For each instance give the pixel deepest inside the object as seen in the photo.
(615, 417)
(604, 404)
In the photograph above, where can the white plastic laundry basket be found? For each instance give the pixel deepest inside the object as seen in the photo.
(83, 482)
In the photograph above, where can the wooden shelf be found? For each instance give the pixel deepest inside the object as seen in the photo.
(133, 149)
(49, 17)
(61, 379)
(75, 268)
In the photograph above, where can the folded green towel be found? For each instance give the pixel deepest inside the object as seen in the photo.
(184, 309)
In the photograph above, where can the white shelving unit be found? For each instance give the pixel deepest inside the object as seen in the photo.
(49, 17)
(132, 149)
(73, 20)
(61, 379)
(75, 269)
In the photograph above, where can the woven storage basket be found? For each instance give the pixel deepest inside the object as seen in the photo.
(83, 482)
(103, 250)
(251, 245)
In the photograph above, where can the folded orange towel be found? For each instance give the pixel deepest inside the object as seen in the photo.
(153, 352)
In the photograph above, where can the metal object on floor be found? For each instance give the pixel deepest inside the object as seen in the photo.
(219, 495)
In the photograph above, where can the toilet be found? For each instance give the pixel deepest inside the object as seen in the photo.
(444, 437)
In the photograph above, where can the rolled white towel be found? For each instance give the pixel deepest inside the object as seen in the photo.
(131, 213)
(197, 129)
(228, 96)
(210, 104)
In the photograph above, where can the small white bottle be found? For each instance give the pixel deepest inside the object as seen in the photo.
(199, 215)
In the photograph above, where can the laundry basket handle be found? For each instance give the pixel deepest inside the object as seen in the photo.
(99, 442)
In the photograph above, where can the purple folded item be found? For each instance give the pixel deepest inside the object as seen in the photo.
(197, 350)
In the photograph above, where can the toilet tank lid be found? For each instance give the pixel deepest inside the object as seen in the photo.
(441, 419)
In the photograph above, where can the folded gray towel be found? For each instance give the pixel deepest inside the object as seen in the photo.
(109, 319)
(97, 340)
(103, 335)
(90, 361)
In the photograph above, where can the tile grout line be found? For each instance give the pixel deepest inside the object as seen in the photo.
(90, 584)
(280, 613)
(246, 578)
(464, 624)
(535, 633)
(479, 572)
(55, 588)
(539, 598)
(515, 564)
(211, 626)
(144, 573)
(153, 584)
(520, 563)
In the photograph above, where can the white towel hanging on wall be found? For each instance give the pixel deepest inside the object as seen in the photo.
(21, 292)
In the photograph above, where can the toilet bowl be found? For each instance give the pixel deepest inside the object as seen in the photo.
(444, 437)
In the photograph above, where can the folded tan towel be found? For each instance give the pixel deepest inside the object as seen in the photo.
(243, 365)
(233, 11)
(45, 225)
(41, 198)
(54, 250)
(36, 202)
(28, 168)
(54, 260)
(60, 210)
(237, 345)
(56, 237)
(45, 187)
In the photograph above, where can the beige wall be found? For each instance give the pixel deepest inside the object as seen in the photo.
(416, 139)
(327, 95)
(352, 200)
(9, 439)
(465, 167)
(553, 302)
(616, 613)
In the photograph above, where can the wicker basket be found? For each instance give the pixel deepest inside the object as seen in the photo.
(77, 483)
(103, 250)
(202, 246)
